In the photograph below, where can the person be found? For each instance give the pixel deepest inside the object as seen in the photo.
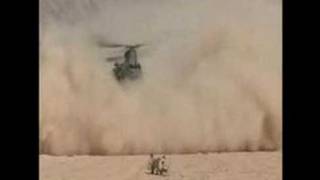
(155, 166)
(151, 163)
(162, 167)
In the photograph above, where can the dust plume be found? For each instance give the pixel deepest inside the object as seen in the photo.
(211, 77)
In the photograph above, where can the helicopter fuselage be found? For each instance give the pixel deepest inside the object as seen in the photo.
(130, 68)
(131, 56)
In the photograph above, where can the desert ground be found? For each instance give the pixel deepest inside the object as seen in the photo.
(217, 166)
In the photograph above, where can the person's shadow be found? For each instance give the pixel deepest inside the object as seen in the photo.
(149, 173)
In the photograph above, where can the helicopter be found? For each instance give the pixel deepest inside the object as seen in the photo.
(130, 68)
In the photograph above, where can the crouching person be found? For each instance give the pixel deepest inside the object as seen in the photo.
(163, 165)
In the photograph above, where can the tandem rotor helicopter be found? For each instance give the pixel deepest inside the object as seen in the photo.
(130, 68)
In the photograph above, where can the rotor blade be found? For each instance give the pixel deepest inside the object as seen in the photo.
(111, 59)
(115, 45)
(110, 45)
(135, 46)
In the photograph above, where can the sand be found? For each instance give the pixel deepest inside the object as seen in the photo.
(217, 166)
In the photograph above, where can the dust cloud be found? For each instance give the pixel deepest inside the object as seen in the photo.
(212, 77)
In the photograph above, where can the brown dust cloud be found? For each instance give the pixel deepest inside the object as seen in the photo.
(212, 77)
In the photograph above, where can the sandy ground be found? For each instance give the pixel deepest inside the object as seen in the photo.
(217, 166)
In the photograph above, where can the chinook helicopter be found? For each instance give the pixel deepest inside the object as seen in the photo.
(130, 68)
